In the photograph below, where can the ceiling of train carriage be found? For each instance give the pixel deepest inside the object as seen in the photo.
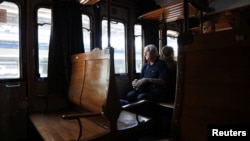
(143, 8)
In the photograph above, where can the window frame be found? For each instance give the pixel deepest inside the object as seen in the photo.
(125, 42)
(90, 34)
(141, 48)
(170, 35)
(20, 53)
(37, 64)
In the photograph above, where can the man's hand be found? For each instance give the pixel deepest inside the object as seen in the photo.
(137, 83)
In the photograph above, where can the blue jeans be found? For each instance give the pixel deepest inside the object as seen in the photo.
(155, 94)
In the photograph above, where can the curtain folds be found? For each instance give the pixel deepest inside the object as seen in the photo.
(66, 39)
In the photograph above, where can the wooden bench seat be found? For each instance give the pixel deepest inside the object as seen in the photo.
(52, 127)
(97, 113)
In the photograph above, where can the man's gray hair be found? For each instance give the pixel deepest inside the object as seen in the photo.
(152, 48)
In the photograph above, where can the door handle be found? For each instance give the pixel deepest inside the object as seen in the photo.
(8, 85)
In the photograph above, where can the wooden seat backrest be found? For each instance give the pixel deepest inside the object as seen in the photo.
(92, 88)
(213, 84)
(92, 80)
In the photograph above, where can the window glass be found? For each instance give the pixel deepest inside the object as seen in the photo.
(117, 41)
(86, 31)
(44, 29)
(172, 41)
(138, 47)
(9, 41)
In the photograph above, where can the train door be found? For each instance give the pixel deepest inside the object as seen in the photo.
(13, 99)
(38, 44)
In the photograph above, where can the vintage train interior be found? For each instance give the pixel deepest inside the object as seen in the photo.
(65, 66)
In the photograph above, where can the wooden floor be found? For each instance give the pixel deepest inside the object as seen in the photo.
(160, 132)
(146, 138)
(150, 136)
(151, 139)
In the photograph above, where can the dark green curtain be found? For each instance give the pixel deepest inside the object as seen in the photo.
(66, 39)
(151, 32)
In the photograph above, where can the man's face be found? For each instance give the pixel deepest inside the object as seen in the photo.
(148, 55)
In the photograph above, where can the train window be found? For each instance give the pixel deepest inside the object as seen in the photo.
(117, 41)
(172, 41)
(138, 47)
(86, 31)
(44, 26)
(9, 41)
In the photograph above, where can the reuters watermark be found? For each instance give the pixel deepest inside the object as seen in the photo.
(237, 132)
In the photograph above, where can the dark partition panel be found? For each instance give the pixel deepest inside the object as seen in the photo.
(213, 86)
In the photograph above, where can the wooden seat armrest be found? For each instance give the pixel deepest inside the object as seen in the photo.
(169, 104)
(81, 115)
(136, 104)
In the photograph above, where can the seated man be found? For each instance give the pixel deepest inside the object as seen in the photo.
(167, 54)
(151, 84)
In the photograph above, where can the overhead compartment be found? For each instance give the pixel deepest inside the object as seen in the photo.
(170, 13)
